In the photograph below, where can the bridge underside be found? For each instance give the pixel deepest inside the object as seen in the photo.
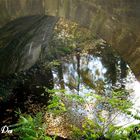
(116, 21)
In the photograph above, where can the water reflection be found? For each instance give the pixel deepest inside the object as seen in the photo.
(88, 70)
(99, 71)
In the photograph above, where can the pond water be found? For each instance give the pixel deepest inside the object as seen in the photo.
(99, 71)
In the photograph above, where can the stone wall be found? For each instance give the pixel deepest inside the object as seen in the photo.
(116, 21)
(23, 42)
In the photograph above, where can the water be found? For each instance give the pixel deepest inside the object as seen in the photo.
(99, 71)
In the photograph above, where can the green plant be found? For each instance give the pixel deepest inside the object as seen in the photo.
(99, 126)
(31, 128)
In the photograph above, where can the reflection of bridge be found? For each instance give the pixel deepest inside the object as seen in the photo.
(116, 21)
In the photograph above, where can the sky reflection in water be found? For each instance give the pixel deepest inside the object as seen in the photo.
(83, 73)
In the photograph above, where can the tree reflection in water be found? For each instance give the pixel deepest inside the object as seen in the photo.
(99, 72)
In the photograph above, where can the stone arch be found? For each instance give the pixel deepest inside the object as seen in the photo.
(115, 21)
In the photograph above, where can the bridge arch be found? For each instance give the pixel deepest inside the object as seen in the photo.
(115, 21)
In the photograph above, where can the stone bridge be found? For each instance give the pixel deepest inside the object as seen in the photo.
(116, 21)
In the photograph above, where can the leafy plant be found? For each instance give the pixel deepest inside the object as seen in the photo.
(31, 128)
(99, 126)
